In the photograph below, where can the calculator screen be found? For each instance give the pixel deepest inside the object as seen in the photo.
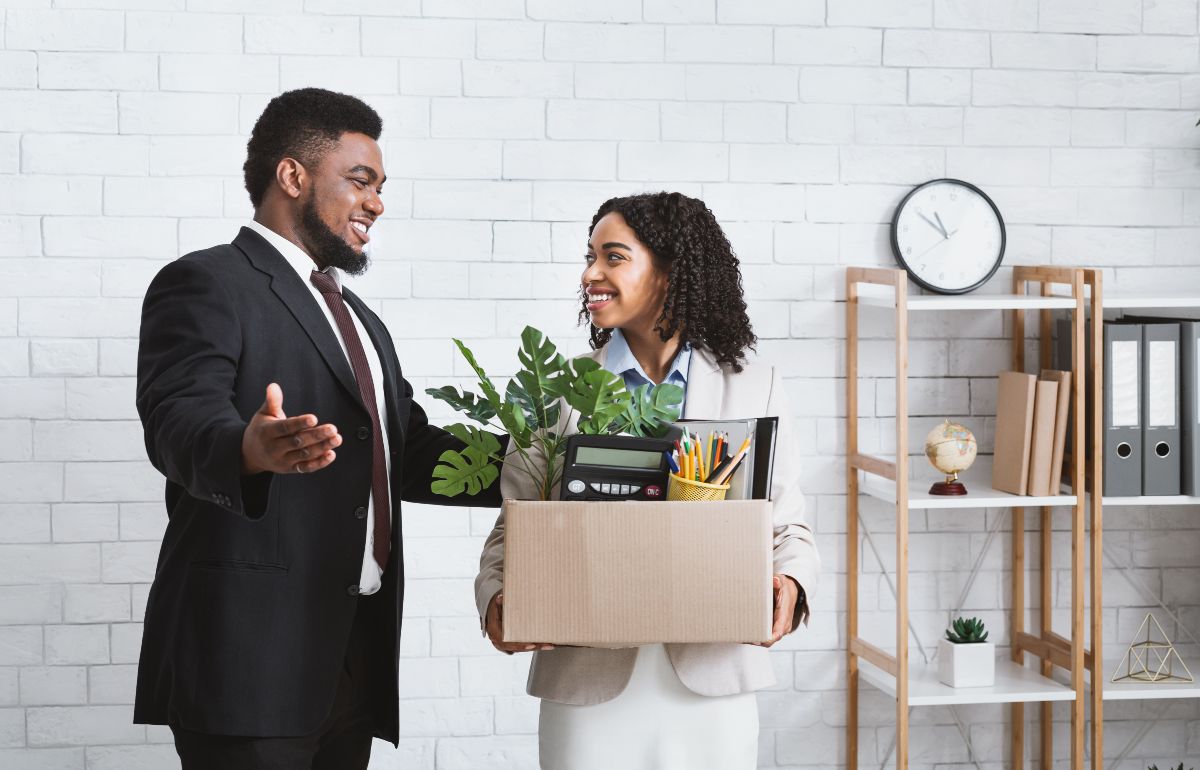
(618, 458)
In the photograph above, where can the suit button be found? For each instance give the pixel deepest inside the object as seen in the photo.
(360, 512)
(353, 590)
(364, 433)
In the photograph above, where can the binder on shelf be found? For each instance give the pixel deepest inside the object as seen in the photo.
(1160, 409)
(1122, 409)
(1014, 427)
(1041, 445)
(1062, 411)
(1189, 408)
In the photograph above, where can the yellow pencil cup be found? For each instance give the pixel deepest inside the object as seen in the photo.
(695, 491)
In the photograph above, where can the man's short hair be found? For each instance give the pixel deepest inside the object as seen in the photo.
(303, 124)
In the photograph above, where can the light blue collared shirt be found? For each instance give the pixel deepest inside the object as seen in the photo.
(620, 360)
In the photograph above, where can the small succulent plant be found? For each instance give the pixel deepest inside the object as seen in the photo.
(1155, 767)
(964, 631)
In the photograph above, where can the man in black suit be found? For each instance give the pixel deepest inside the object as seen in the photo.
(272, 628)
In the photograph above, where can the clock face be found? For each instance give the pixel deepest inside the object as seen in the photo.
(949, 236)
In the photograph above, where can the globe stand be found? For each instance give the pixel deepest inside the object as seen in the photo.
(951, 486)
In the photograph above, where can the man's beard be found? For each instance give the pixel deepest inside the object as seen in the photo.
(325, 246)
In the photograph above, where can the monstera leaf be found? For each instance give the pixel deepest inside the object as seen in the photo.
(469, 470)
(651, 410)
(478, 409)
(540, 413)
(597, 394)
(536, 387)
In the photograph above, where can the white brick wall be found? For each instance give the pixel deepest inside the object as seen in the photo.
(801, 122)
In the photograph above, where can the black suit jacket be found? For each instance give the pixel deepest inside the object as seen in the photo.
(254, 594)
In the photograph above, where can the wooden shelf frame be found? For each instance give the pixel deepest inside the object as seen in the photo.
(888, 288)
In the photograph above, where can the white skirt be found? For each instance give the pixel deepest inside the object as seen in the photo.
(656, 723)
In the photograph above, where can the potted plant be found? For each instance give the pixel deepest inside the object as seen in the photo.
(965, 657)
(539, 402)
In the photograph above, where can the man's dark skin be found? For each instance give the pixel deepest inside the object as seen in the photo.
(345, 188)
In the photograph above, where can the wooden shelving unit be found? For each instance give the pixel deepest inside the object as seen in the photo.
(889, 480)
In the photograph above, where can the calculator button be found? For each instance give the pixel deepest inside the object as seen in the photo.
(653, 490)
(606, 488)
(576, 486)
(634, 490)
(595, 487)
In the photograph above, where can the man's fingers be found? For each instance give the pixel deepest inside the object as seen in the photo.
(311, 452)
(314, 465)
(311, 438)
(273, 404)
(285, 428)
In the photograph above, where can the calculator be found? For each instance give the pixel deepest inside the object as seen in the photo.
(613, 467)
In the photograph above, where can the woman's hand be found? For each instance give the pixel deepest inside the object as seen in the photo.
(495, 630)
(787, 591)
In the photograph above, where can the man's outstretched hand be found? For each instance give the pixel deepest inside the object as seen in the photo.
(280, 444)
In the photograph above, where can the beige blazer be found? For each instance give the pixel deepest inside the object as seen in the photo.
(586, 675)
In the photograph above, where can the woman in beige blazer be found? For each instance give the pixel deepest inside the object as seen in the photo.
(663, 295)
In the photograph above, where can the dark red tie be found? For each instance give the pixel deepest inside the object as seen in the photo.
(366, 387)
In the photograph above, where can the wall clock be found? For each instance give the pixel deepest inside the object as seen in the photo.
(949, 236)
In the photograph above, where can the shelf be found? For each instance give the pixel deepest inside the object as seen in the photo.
(1014, 684)
(876, 295)
(1129, 690)
(1151, 500)
(1150, 301)
(1144, 301)
(980, 493)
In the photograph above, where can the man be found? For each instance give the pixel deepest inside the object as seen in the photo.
(272, 400)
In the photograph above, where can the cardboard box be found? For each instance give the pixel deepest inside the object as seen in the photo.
(620, 574)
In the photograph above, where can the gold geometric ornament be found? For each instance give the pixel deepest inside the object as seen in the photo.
(1150, 660)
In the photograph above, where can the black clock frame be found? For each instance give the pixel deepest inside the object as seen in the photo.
(911, 273)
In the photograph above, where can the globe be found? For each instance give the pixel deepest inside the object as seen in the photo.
(951, 449)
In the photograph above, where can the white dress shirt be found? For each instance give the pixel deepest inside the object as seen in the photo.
(370, 579)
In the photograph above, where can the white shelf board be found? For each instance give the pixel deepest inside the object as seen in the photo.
(1132, 690)
(1151, 500)
(1143, 300)
(877, 295)
(1014, 684)
(1151, 301)
(976, 479)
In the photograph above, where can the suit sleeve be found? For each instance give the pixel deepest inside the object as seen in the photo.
(795, 550)
(190, 343)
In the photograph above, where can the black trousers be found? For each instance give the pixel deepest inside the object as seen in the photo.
(342, 742)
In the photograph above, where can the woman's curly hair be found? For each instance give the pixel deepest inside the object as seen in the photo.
(704, 301)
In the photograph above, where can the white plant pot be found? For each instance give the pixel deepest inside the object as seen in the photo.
(966, 665)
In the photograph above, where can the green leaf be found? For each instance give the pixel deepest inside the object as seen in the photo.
(598, 395)
(540, 358)
(472, 469)
(540, 413)
(651, 410)
(478, 409)
(510, 416)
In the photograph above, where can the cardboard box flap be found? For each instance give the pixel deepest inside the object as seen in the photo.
(621, 574)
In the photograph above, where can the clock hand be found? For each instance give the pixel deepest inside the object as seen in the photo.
(942, 226)
(931, 248)
(933, 224)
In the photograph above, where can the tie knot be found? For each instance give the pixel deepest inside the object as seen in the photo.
(324, 282)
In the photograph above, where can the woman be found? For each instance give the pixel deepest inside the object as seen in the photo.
(663, 295)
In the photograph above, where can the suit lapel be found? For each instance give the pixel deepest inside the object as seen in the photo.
(705, 387)
(300, 302)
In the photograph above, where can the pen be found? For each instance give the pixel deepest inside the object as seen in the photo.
(671, 462)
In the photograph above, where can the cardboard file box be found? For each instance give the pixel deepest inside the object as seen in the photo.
(620, 574)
